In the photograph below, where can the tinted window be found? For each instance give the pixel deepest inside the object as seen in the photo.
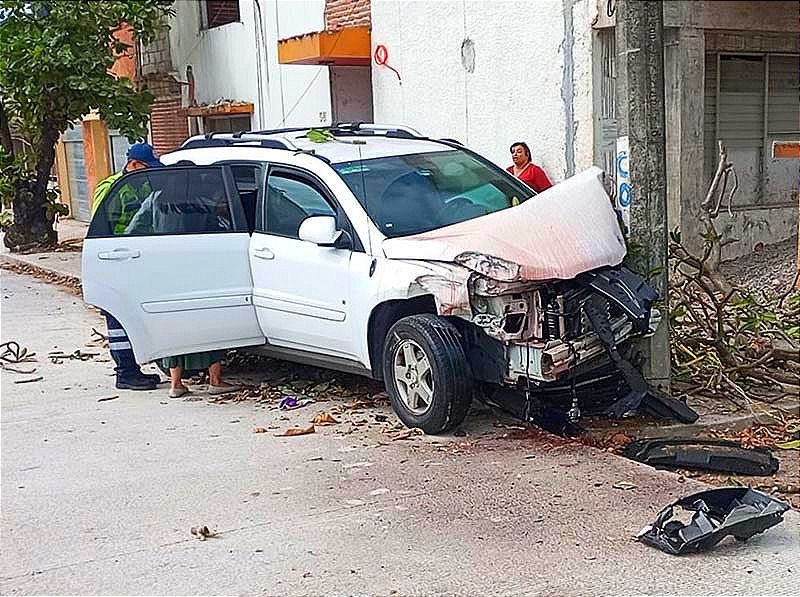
(409, 194)
(290, 200)
(165, 201)
(247, 179)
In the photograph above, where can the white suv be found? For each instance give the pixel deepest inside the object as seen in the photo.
(372, 249)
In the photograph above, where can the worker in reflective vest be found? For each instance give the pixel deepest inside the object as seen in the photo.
(127, 202)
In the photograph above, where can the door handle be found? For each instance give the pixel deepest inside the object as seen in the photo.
(118, 254)
(264, 253)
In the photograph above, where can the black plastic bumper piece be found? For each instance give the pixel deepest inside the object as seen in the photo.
(641, 395)
(626, 289)
(705, 455)
(738, 511)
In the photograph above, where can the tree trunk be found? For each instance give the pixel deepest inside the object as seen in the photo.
(5, 131)
(33, 226)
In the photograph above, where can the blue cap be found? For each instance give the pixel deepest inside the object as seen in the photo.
(144, 152)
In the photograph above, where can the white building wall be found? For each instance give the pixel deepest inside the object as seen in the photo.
(226, 61)
(518, 90)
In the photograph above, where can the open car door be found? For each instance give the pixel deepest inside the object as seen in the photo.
(167, 255)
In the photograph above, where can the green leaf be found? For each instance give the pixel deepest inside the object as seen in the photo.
(320, 135)
(792, 445)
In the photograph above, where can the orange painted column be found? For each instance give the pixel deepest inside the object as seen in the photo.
(96, 151)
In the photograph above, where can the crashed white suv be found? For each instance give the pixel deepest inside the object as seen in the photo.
(375, 250)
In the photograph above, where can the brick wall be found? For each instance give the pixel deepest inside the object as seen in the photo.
(347, 13)
(168, 125)
(155, 57)
(125, 65)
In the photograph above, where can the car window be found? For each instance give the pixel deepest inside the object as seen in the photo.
(409, 194)
(165, 201)
(290, 200)
(247, 178)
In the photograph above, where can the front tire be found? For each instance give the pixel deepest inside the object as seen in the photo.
(426, 372)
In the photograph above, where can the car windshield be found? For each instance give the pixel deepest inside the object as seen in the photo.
(409, 194)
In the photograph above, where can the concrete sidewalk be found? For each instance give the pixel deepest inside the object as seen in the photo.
(60, 263)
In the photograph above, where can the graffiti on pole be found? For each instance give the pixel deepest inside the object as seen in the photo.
(624, 192)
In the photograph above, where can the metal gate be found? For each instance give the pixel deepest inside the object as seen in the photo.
(80, 203)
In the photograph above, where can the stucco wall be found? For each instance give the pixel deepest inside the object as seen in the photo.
(518, 89)
(225, 63)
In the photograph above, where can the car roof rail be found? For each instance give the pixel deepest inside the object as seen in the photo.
(229, 142)
(377, 127)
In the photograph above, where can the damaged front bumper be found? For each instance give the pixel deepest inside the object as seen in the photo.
(548, 362)
(585, 322)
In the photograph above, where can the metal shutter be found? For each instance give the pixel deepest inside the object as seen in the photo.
(740, 120)
(783, 123)
(711, 156)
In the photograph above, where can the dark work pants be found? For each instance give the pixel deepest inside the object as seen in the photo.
(121, 351)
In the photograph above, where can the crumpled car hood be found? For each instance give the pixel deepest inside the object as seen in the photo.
(564, 231)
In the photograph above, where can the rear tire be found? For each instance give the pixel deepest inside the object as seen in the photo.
(426, 373)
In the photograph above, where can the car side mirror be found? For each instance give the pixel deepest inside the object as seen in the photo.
(321, 230)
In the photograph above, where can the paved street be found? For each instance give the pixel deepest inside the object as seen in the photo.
(99, 497)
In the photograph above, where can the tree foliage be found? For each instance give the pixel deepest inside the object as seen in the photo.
(55, 58)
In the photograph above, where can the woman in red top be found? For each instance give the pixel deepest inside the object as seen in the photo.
(527, 171)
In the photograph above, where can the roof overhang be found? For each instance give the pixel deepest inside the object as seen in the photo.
(221, 109)
(350, 46)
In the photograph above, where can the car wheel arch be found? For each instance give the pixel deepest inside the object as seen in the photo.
(383, 316)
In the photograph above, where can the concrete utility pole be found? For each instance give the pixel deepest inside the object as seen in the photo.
(640, 117)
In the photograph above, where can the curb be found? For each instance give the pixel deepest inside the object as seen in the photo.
(16, 261)
(692, 430)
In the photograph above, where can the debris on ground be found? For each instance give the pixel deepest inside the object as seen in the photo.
(707, 455)
(107, 398)
(12, 352)
(30, 380)
(792, 445)
(293, 431)
(202, 533)
(780, 428)
(70, 283)
(624, 485)
(407, 434)
(5, 367)
(324, 418)
(727, 341)
(293, 402)
(57, 357)
(98, 340)
(738, 511)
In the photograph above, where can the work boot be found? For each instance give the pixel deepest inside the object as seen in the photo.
(143, 382)
(153, 376)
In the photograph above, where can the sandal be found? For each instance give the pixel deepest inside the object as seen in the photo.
(178, 392)
(224, 389)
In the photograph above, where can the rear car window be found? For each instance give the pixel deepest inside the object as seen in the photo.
(165, 201)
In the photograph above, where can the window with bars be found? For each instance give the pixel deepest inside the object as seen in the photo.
(220, 12)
